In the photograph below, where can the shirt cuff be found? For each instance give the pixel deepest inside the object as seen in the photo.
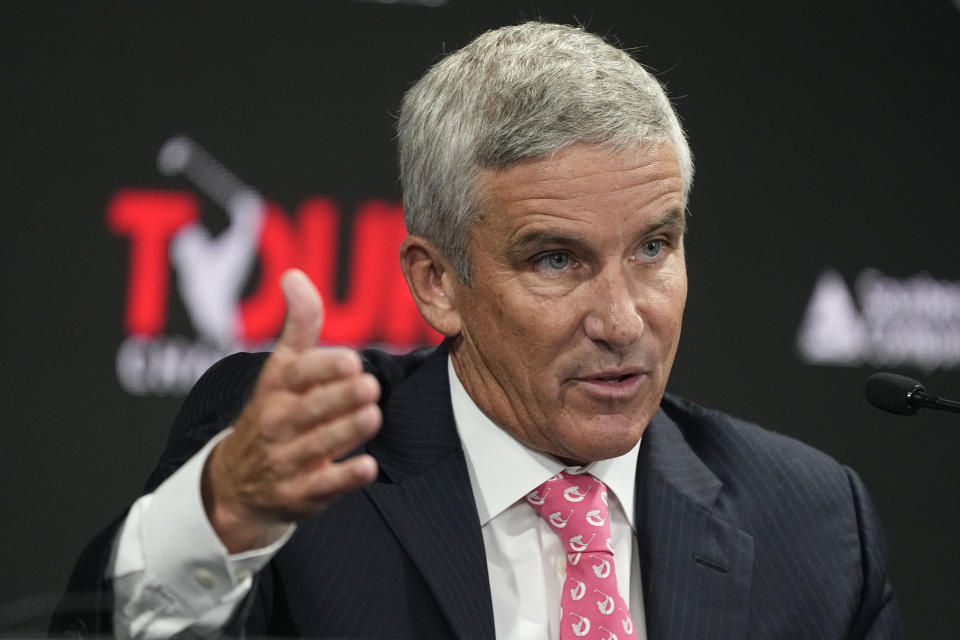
(183, 551)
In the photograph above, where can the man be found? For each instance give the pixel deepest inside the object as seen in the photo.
(545, 181)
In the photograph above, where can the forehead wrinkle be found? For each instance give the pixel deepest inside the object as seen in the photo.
(516, 196)
(652, 159)
(578, 186)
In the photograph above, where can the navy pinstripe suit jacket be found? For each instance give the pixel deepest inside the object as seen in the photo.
(742, 533)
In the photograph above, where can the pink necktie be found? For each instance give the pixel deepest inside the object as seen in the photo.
(575, 506)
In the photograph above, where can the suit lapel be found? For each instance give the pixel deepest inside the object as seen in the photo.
(696, 567)
(428, 502)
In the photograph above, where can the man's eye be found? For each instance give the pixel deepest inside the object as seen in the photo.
(556, 260)
(651, 248)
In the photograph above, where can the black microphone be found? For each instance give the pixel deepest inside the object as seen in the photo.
(903, 396)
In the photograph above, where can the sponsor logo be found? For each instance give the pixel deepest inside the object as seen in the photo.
(883, 322)
(211, 272)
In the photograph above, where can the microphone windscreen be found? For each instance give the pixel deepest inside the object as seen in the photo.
(890, 392)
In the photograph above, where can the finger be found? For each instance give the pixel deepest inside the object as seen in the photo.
(334, 439)
(304, 319)
(316, 366)
(334, 480)
(328, 401)
(310, 493)
(274, 418)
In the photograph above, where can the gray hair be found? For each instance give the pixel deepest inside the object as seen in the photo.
(518, 92)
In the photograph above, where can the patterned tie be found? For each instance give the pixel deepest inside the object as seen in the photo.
(575, 506)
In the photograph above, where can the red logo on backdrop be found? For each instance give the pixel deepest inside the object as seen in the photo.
(168, 244)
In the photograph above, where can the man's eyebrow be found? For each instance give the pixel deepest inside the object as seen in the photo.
(674, 217)
(538, 239)
(542, 238)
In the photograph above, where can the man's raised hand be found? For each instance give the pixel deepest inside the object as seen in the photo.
(310, 406)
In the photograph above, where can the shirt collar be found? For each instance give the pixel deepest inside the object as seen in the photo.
(503, 469)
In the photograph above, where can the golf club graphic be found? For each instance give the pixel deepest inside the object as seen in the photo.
(211, 271)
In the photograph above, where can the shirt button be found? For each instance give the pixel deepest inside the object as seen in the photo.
(561, 566)
(243, 575)
(205, 579)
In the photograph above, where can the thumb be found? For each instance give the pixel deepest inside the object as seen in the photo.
(304, 319)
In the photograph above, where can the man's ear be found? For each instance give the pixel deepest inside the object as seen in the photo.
(432, 281)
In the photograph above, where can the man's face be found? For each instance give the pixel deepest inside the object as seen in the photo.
(570, 328)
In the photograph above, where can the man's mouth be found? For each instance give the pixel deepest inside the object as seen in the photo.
(616, 378)
(619, 374)
(618, 383)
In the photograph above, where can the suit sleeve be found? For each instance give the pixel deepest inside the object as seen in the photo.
(878, 617)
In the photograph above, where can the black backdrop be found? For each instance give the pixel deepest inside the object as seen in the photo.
(825, 135)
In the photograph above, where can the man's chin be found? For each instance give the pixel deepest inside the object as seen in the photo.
(607, 436)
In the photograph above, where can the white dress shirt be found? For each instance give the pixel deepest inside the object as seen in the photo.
(525, 557)
(172, 573)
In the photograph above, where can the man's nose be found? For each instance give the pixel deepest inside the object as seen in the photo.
(613, 315)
